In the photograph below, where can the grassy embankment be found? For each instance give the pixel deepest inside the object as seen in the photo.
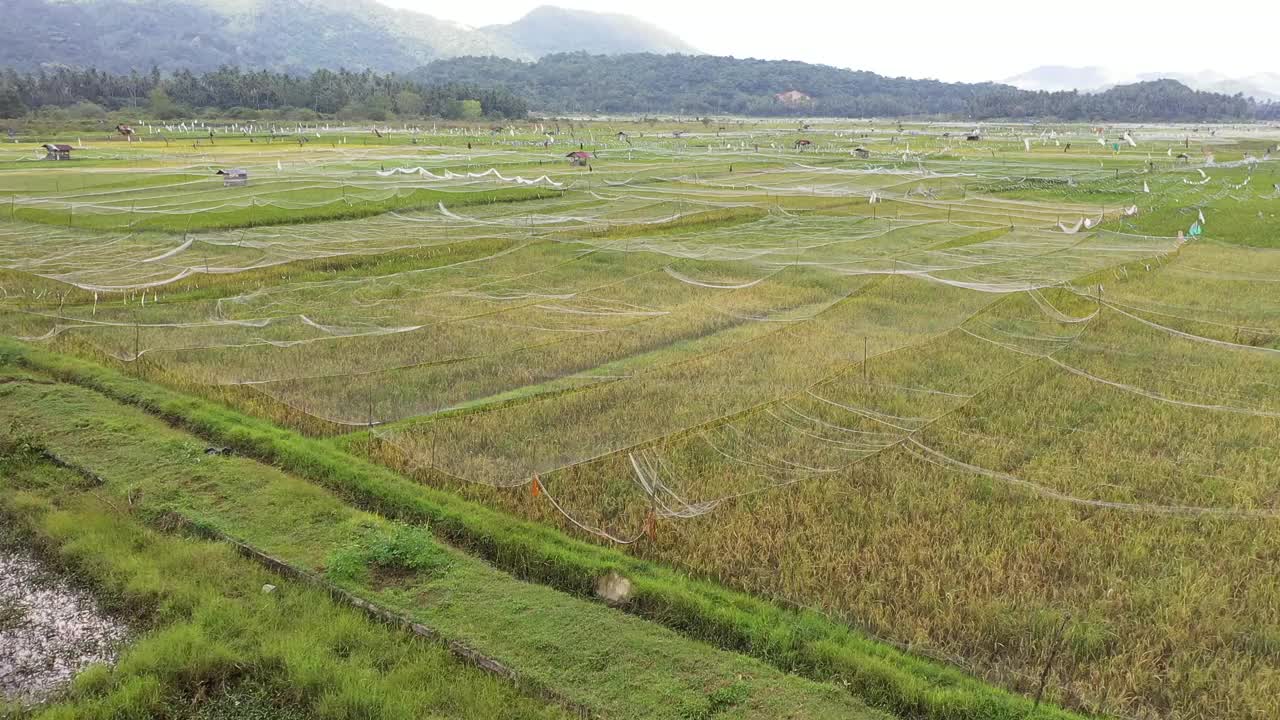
(611, 663)
(795, 640)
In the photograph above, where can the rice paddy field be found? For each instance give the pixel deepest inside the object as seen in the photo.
(1011, 404)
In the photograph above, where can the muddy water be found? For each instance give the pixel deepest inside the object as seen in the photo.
(48, 630)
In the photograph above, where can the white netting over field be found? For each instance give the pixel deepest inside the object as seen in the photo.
(701, 318)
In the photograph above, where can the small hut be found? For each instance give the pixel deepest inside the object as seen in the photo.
(578, 158)
(57, 152)
(235, 177)
(802, 144)
(973, 137)
(862, 152)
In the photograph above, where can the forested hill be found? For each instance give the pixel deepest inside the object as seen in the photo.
(294, 36)
(579, 83)
(708, 85)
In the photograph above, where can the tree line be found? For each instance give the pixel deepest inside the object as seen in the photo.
(249, 94)
(472, 87)
(709, 85)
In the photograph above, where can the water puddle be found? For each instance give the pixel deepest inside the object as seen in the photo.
(49, 630)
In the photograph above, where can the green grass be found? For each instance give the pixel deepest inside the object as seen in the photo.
(329, 205)
(211, 645)
(803, 641)
(1238, 218)
(163, 474)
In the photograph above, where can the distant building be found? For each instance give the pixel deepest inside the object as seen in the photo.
(862, 152)
(57, 152)
(578, 157)
(802, 144)
(234, 177)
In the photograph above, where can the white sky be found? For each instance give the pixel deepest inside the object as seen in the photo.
(949, 41)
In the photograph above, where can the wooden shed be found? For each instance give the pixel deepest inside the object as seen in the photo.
(57, 152)
(578, 157)
(234, 177)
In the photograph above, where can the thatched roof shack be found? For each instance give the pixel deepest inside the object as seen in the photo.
(234, 177)
(56, 152)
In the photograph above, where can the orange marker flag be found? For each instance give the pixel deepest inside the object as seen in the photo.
(536, 487)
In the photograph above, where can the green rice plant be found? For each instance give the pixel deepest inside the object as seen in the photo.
(794, 640)
(909, 388)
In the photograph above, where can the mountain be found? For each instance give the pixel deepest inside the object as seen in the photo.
(548, 30)
(1060, 77)
(294, 35)
(1261, 86)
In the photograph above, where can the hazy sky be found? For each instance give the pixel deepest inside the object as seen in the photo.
(947, 40)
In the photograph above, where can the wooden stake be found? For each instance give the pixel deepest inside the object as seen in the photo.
(864, 358)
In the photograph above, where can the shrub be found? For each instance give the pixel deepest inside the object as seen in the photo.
(400, 549)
